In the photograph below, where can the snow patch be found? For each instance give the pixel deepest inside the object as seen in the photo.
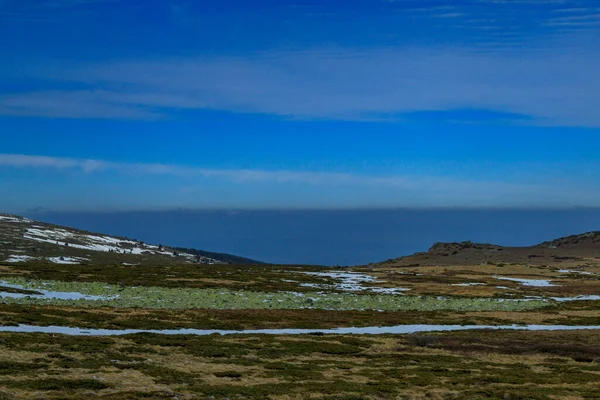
(349, 282)
(17, 258)
(577, 298)
(102, 243)
(573, 271)
(5, 218)
(67, 260)
(528, 282)
(94, 242)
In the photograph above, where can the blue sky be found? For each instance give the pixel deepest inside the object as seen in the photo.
(111, 104)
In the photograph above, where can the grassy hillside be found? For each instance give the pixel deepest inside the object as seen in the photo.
(23, 240)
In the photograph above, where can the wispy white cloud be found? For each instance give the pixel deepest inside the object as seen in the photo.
(448, 15)
(354, 189)
(585, 19)
(552, 85)
(577, 10)
(236, 175)
(77, 104)
(551, 79)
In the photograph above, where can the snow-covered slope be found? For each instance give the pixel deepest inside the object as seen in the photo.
(25, 240)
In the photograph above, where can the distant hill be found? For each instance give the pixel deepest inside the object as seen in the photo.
(226, 258)
(590, 240)
(575, 248)
(26, 240)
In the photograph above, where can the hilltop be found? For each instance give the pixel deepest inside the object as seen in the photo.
(586, 241)
(573, 248)
(25, 240)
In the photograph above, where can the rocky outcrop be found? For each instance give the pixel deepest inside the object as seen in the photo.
(456, 247)
(589, 239)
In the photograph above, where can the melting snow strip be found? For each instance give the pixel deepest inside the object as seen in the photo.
(16, 259)
(396, 330)
(14, 219)
(349, 282)
(572, 271)
(67, 260)
(528, 282)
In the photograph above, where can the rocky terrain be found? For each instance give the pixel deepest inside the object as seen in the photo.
(587, 241)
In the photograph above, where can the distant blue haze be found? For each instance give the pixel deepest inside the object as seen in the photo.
(333, 237)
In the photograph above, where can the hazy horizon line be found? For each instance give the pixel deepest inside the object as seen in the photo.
(43, 210)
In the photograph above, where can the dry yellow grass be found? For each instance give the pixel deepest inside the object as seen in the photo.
(447, 280)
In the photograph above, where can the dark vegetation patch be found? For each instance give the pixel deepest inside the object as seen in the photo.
(293, 371)
(48, 384)
(513, 343)
(229, 374)
(110, 318)
(473, 365)
(247, 277)
(164, 375)
(20, 368)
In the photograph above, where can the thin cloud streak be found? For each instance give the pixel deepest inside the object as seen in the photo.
(380, 190)
(553, 86)
(543, 67)
(235, 175)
